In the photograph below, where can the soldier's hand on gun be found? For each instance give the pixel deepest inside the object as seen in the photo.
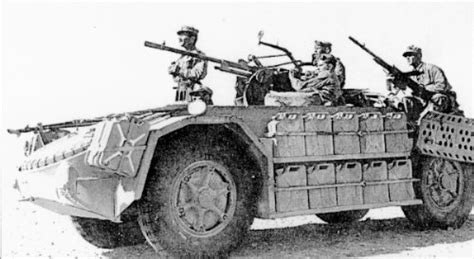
(309, 74)
(392, 100)
(292, 73)
(395, 83)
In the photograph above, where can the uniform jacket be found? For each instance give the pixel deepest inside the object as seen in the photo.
(189, 70)
(340, 71)
(325, 82)
(432, 78)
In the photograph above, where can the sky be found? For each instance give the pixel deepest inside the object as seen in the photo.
(73, 60)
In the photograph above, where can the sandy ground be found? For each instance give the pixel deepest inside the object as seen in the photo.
(30, 231)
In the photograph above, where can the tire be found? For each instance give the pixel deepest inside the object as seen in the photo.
(445, 190)
(198, 200)
(342, 216)
(107, 234)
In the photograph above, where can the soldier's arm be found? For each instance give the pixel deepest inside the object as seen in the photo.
(197, 72)
(439, 83)
(296, 83)
(340, 71)
(316, 83)
(173, 69)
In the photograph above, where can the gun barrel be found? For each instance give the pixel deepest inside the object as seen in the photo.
(395, 71)
(362, 46)
(233, 71)
(55, 126)
(200, 56)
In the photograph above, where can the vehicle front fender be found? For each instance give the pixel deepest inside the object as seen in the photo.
(164, 126)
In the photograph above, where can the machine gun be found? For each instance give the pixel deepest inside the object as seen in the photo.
(253, 81)
(239, 69)
(397, 73)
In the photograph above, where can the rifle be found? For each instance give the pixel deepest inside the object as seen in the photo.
(392, 69)
(55, 126)
(235, 68)
(148, 113)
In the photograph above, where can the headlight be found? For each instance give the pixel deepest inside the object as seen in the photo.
(197, 107)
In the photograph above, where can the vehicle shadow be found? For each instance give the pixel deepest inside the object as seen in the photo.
(364, 238)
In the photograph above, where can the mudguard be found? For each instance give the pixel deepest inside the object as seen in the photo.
(98, 179)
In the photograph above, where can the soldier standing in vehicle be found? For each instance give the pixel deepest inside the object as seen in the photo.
(320, 48)
(188, 71)
(325, 82)
(438, 94)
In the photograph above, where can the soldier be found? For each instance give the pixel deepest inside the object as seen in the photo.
(188, 71)
(320, 48)
(439, 95)
(325, 82)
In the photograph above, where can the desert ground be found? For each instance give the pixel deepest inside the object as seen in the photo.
(30, 231)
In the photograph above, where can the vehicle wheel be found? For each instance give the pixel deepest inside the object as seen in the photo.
(342, 216)
(445, 189)
(108, 234)
(198, 200)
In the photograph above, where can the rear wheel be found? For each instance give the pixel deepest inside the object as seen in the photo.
(445, 189)
(342, 216)
(198, 201)
(107, 234)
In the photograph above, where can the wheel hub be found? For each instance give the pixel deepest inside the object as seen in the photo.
(444, 180)
(448, 182)
(205, 198)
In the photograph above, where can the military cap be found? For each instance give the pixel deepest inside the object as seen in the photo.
(322, 44)
(412, 49)
(188, 29)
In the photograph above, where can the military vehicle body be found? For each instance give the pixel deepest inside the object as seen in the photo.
(192, 182)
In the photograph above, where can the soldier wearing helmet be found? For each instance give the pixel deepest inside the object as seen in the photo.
(441, 97)
(188, 71)
(323, 47)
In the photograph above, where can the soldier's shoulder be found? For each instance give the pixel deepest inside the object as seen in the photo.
(432, 67)
(338, 60)
(429, 65)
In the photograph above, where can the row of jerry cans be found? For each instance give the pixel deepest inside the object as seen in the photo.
(341, 133)
(360, 181)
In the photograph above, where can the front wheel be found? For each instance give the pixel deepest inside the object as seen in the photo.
(198, 200)
(445, 189)
(108, 234)
(342, 216)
